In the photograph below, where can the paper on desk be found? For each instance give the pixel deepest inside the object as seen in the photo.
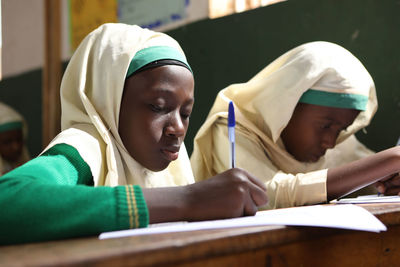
(336, 216)
(368, 199)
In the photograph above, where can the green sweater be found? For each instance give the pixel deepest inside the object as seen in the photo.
(52, 197)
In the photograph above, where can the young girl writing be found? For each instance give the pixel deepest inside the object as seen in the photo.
(120, 161)
(295, 128)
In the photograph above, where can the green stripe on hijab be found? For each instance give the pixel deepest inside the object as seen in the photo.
(10, 126)
(337, 100)
(154, 53)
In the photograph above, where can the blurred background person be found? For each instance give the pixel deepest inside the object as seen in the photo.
(13, 133)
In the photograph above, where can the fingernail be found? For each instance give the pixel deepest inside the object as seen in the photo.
(381, 189)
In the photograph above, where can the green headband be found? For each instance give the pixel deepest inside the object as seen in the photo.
(10, 126)
(337, 100)
(154, 53)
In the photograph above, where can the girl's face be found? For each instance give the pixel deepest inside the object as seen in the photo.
(313, 129)
(154, 115)
(11, 144)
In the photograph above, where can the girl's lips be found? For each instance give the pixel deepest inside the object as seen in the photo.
(170, 155)
(316, 157)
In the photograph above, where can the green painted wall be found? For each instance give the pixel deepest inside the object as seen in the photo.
(234, 48)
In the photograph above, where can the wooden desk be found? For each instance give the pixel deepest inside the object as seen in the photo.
(254, 246)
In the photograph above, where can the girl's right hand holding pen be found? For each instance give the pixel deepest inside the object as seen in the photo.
(232, 193)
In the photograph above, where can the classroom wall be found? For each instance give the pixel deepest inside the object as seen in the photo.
(22, 61)
(23, 35)
(234, 48)
(23, 39)
(23, 32)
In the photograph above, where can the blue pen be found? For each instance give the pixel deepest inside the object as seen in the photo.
(231, 133)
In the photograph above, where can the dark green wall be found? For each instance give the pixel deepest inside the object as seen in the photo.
(234, 48)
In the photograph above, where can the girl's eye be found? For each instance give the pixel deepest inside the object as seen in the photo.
(341, 130)
(185, 116)
(186, 112)
(326, 126)
(156, 108)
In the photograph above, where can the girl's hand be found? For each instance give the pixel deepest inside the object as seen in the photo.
(389, 185)
(232, 193)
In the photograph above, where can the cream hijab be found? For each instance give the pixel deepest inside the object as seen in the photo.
(264, 105)
(91, 93)
(10, 119)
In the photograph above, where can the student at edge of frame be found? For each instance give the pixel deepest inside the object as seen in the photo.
(295, 126)
(13, 134)
(120, 161)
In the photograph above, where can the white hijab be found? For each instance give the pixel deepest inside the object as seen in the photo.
(91, 93)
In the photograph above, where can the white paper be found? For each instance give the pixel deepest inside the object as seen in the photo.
(368, 199)
(336, 216)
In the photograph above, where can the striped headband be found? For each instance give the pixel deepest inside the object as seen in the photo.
(155, 53)
(337, 100)
(10, 126)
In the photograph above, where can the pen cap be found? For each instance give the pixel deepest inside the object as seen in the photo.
(231, 115)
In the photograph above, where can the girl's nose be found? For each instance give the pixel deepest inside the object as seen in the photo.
(175, 126)
(329, 140)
